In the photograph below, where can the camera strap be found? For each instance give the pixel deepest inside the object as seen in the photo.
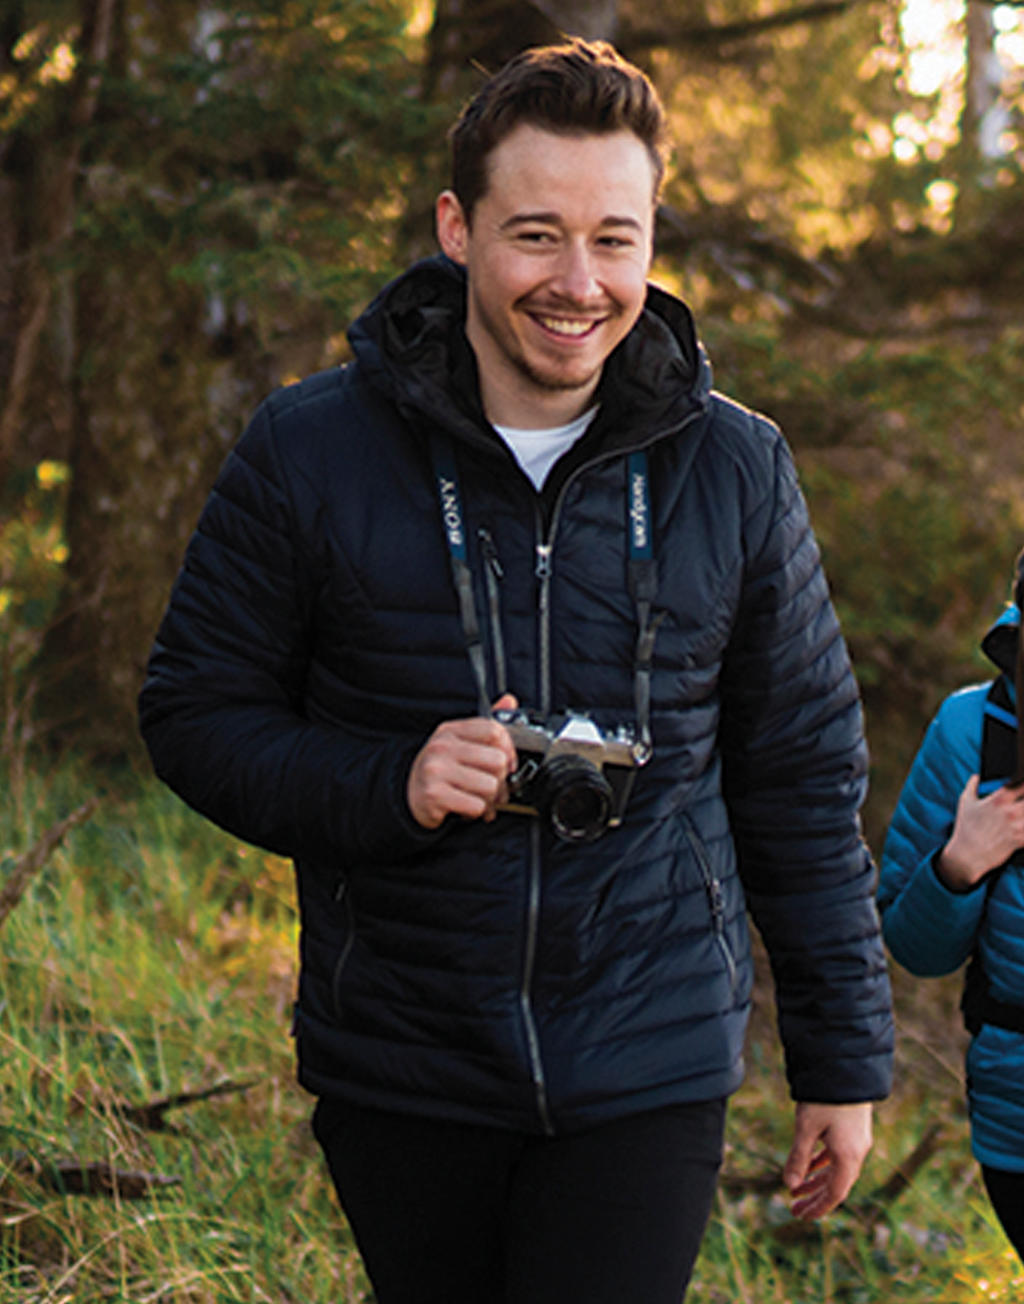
(446, 476)
(642, 574)
(643, 587)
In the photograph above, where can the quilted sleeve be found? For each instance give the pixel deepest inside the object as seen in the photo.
(795, 766)
(930, 929)
(221, 706)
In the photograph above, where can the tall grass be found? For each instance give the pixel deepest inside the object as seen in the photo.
(154, 956)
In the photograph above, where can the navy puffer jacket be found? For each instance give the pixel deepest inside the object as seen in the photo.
(490, 972)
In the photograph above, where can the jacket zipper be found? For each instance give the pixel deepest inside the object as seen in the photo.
(542, 570)
(525, 991)
(716, 899)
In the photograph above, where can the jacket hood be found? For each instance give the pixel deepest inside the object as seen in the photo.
(1000, 643)
(412, 343)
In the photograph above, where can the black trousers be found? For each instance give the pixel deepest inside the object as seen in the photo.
(1006, 1192)
(445, 1213)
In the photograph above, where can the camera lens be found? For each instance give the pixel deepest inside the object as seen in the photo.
(578, 798)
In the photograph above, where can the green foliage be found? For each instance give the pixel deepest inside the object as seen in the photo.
(32, 550)
(33, 554)
(238, 187)
(261, 149)
(798, 162)
(912, 465)
(910, 456)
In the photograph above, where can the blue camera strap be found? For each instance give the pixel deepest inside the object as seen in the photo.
(643, 586)
(446, 475)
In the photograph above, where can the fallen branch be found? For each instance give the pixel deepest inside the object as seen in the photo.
(738, 1184)
(75, 1177)
(151, 1115)
(28, 865)
(904, 1172)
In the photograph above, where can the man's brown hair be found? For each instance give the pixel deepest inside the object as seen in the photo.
(580, 87)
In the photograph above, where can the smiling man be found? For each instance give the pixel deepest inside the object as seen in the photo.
(552, 287)
(513, 634)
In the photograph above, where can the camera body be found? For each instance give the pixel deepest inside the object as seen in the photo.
(571, 772)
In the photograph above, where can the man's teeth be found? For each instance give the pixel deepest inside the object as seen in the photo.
(563, 327)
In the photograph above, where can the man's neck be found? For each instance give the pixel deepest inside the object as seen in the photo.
(539, 410)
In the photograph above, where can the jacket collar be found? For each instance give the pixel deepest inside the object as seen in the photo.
(412, 343)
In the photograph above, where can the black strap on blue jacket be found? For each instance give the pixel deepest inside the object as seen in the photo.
(1001, 761)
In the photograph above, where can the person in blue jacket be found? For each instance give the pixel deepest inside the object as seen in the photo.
(514, 635)
(951, 890)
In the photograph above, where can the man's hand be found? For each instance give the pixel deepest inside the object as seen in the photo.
(986, 832)
(830, 1144)
(461, 769)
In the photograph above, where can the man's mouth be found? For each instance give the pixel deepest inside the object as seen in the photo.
(571, 328)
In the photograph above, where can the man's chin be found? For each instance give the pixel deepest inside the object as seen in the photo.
(562, 380)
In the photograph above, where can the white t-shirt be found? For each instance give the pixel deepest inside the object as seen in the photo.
(538, 450)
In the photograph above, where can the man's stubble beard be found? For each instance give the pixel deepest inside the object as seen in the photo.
(554, 384)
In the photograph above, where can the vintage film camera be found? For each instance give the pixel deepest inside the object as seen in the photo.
(572, 773)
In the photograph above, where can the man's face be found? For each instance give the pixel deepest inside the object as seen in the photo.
(557, 257)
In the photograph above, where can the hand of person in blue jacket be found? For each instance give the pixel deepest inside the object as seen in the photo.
(830, 1144)
(462, 769)
(987, 831)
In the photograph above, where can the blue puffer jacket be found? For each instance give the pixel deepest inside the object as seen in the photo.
(932, 930)
(489, 972)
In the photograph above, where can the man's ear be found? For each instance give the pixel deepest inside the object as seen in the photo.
(452, 228)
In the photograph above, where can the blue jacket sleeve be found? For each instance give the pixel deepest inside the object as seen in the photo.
(930, 929)
(795, 773)
(221, 707)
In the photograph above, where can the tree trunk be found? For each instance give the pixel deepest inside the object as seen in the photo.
(982, 119)
(194, 294)
(985, 117)
(154, 415)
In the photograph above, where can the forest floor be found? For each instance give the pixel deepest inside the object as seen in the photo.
(154, 1145)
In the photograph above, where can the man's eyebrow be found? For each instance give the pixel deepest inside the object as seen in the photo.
(553, 219)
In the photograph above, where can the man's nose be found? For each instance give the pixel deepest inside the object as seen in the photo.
(575, 275)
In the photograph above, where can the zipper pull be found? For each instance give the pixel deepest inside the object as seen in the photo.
(543, 568)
